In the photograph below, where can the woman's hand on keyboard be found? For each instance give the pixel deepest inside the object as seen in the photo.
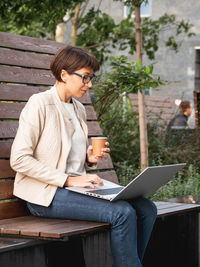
(87, 180)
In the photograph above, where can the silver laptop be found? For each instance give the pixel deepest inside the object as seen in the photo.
(145, 184)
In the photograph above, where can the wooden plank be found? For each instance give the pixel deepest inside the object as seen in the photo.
(26, 76)
(94, 128)
(151, 98)
(28, 43)
(5, 147)
(105, 163)
(6, 189)
(76, 228)
(5, 169)
(22, 92)
(8, 129)
(24, 59)
(46, 227)
(109, 175)
(19, 92)
(11, 209)
(91, 113)
(29, 223)
(10, 110)
(13, 110)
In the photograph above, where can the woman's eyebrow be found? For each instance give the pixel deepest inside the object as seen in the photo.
(88, 73)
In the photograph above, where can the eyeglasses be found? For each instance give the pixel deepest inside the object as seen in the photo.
(85, 78)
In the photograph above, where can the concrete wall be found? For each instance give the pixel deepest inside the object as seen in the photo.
(178, 68)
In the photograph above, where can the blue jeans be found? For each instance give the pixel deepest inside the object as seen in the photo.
(131, 221)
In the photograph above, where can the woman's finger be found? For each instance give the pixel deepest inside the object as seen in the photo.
(96, 179)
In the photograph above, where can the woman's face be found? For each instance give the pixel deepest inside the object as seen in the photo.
(73, 83)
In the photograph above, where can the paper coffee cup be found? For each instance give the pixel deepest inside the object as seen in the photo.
(97, 144)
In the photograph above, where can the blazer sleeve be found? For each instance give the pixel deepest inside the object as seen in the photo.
(22, 159)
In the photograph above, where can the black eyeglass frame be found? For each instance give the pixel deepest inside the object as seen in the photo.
(85, 77)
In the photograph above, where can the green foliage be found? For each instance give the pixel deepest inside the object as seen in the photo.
(33, 18)
(99, 33)
(125, 77)
(95, 33)
(186, 183)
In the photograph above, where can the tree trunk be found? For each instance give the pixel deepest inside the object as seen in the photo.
(141, 104)
(75, 24)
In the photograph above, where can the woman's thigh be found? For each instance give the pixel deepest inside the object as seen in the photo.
(75, 206)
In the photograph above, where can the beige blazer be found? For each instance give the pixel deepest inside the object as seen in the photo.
(41, 147)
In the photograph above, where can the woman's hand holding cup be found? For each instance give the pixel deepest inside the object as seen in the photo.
(98, 149)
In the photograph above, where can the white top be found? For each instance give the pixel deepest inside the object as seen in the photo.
(76, 160)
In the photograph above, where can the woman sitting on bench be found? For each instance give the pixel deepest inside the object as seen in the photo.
(51, 151)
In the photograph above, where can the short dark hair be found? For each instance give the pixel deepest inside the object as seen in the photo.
(72, 58)
(184, 105)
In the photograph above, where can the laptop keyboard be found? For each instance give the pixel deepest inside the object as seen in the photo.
(107, 191)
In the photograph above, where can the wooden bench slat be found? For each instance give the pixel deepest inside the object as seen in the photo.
(24, 59)
(109, 175)
(94, 128)
(21, 92)
(8, 129)
(50, 228)
(76, 228)
(157, 107)
(26, 75)
(28, 43)
(5, 147)
(105, 163)
(13, 110)
(10, 110)
(6, 189)
(30, 223)
(5, 169)
(11, 209)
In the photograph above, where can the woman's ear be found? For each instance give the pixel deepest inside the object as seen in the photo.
(64, 75)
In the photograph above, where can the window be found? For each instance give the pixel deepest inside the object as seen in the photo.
(145, 10)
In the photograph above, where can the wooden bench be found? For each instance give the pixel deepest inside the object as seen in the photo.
(26, 240)
(158, 108)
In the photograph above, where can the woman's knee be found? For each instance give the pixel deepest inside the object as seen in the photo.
(145, 207)
(124, 211)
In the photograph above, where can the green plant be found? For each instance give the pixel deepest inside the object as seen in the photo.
(124, 77)
(185, 183)
(120, 125)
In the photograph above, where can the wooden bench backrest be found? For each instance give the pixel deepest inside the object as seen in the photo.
(24, 70)
(158, 108)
